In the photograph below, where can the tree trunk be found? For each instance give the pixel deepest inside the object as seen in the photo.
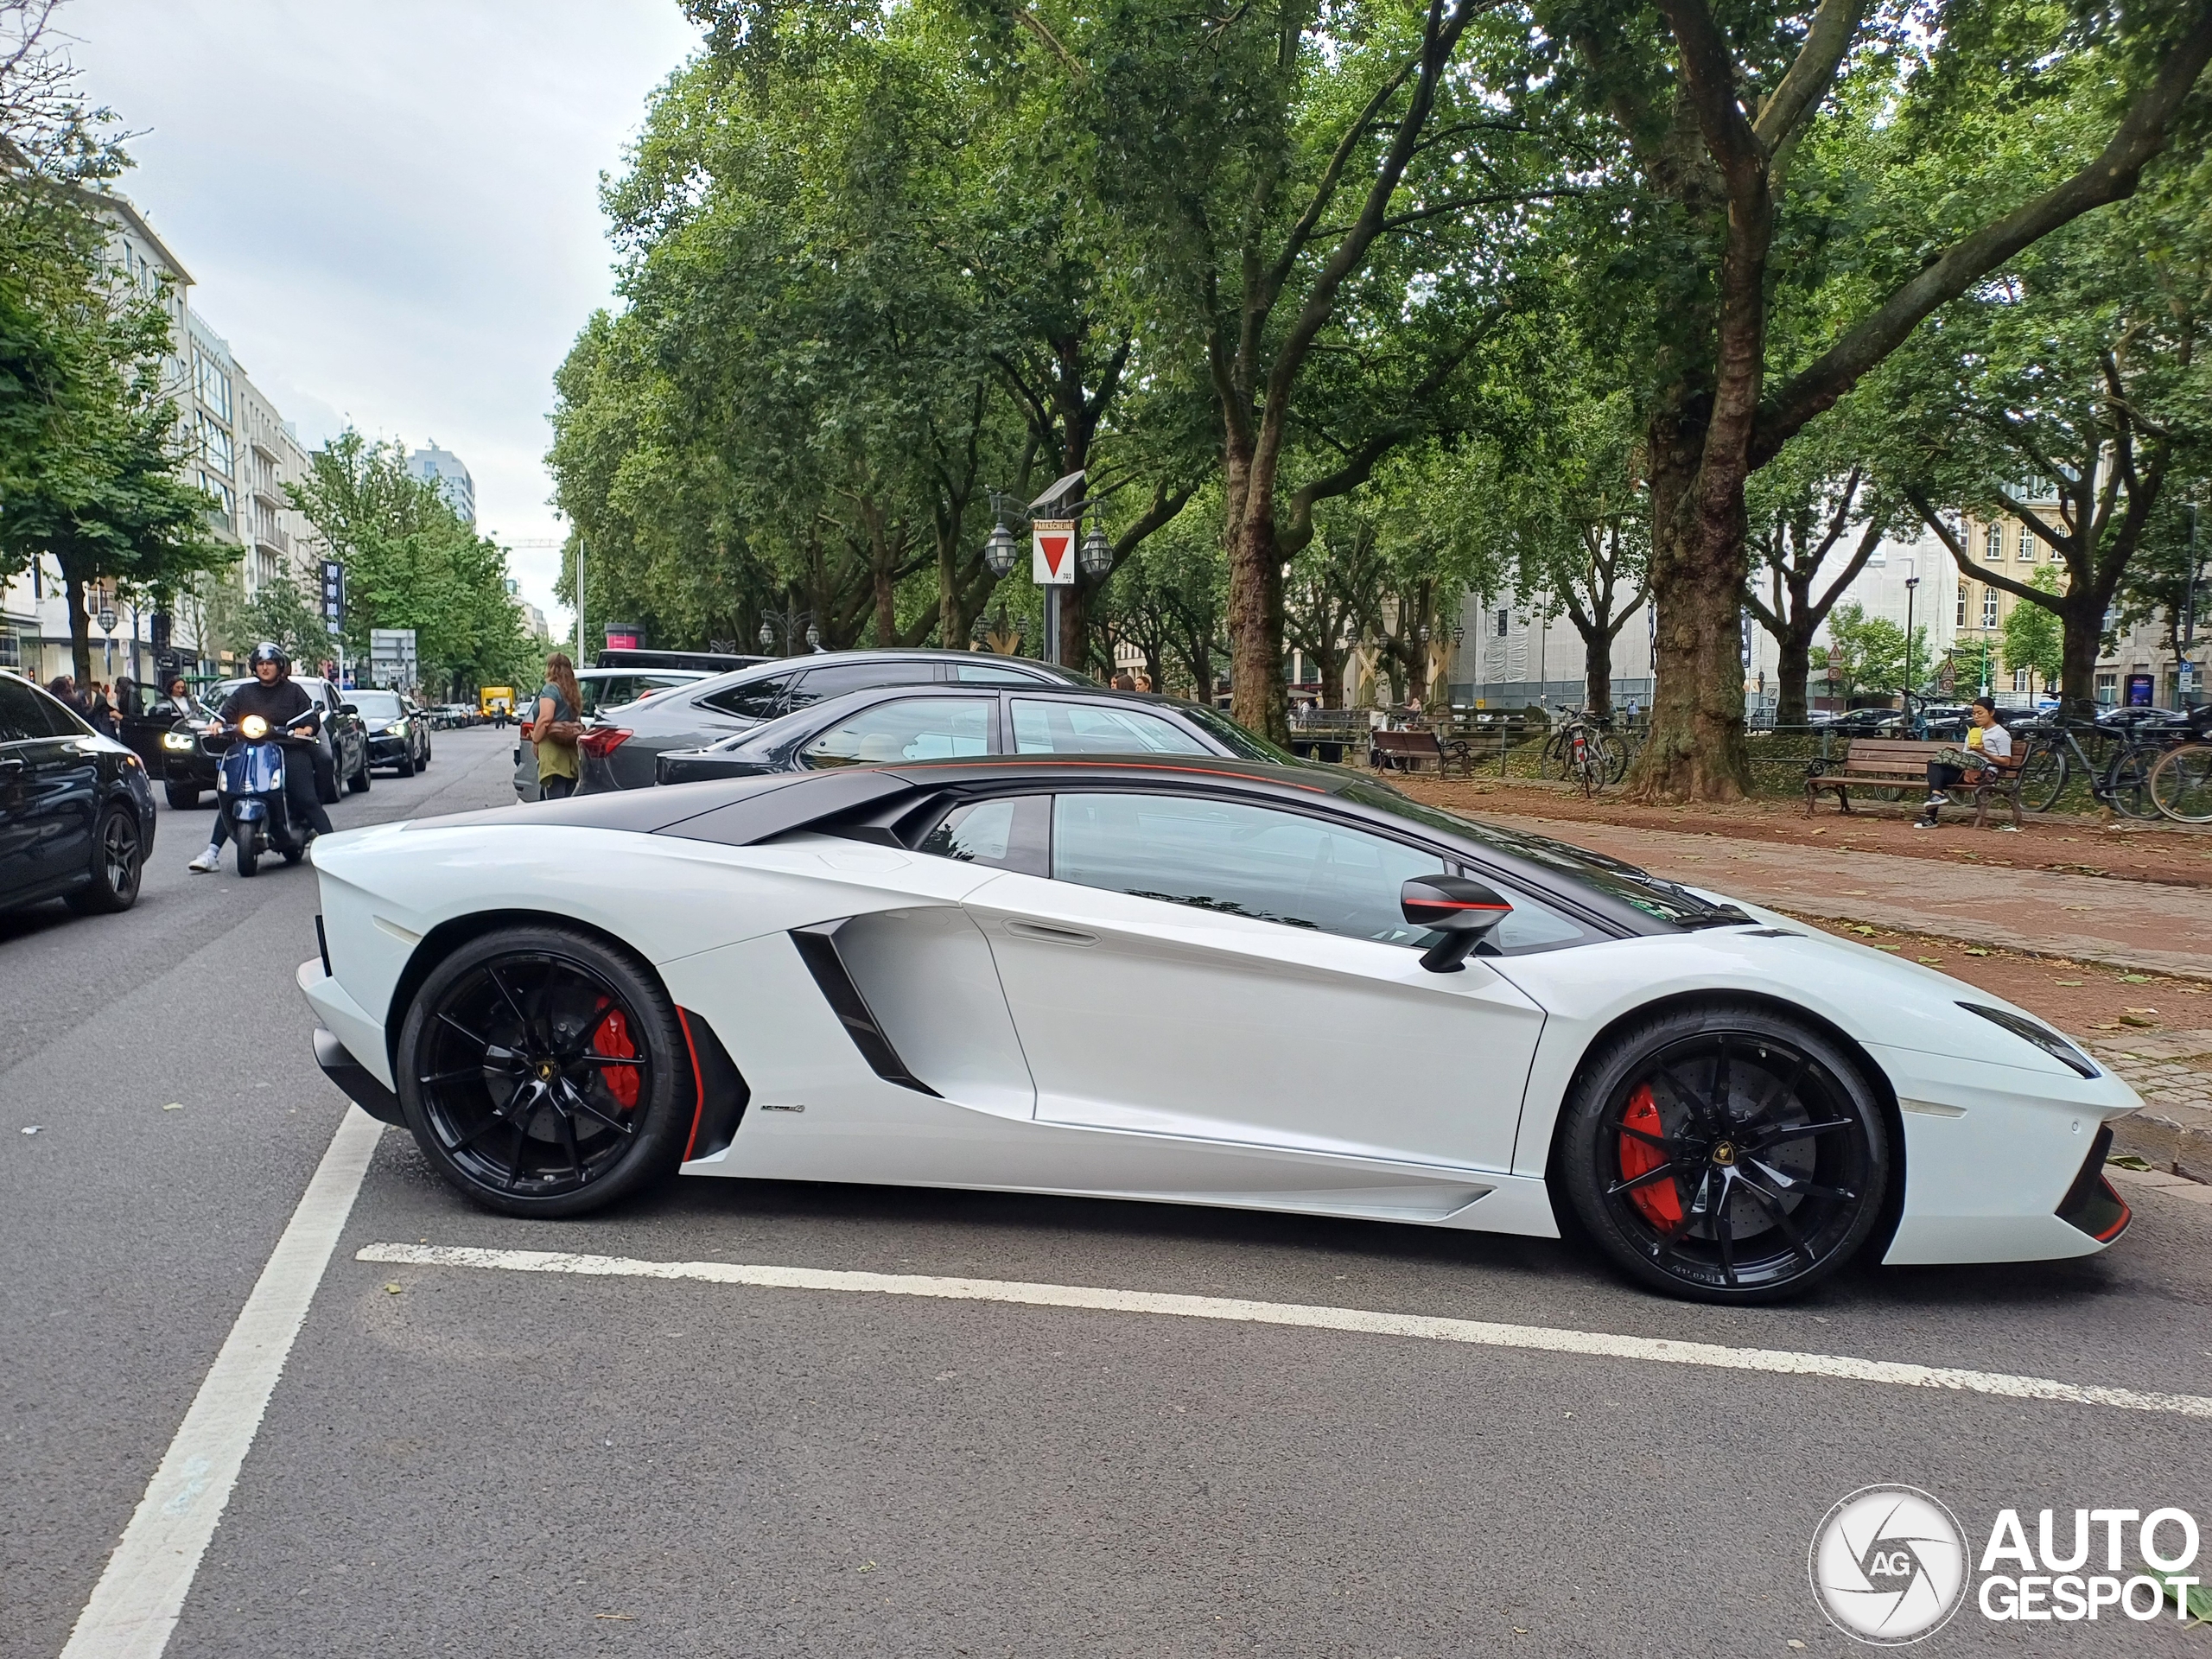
(1698, 564)
(2083, 624)
(80, 629)
(1793, 668)
(1598, 675)
(1259, 695)
(1075, 624)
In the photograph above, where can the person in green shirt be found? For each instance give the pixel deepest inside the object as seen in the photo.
(558, 699)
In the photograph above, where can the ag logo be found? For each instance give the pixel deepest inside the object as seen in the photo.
(1889, 1564)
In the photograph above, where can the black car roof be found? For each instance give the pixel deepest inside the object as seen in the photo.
(745, 811)
(1045, 673)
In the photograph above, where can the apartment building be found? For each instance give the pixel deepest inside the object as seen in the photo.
(235, 446)
(443, 469)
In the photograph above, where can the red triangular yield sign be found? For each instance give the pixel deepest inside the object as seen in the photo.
(1056, 549)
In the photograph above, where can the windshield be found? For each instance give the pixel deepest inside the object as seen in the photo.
(379, 705)
(1246, 746)
(1649, 893)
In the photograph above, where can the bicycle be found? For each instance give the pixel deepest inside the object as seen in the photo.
(2118, 782)
(2181, 780)
(1580, 751)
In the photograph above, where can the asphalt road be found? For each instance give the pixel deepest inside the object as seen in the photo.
(478, 1462)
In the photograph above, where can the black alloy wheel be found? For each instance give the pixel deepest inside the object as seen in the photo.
(1726, 1154)
(118, 861)
(544, 1074)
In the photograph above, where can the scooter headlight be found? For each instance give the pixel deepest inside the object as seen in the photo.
(254, 725)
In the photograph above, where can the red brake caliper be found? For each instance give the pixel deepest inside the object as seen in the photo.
(613, 1039)
(1661, 1205)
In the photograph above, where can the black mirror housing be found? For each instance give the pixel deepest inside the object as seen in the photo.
(1463, 911)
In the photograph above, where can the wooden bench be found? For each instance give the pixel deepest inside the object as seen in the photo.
(1902, 763)
(1409, 750)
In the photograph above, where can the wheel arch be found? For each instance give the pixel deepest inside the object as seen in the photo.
(449, 937)
(1878, 1242)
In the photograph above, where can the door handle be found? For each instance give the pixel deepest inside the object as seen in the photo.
(1050, 933)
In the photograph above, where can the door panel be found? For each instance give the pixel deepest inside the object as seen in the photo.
(1139, 1014)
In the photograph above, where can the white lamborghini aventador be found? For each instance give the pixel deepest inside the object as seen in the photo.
(1196, 980)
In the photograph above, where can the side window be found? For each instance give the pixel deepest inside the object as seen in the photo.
(1241, 861)
(61, 720)
(1007, 835)
(23, 715)
(1533, 926)
(990, 674)
(760, 699)
(1042, 727)
(819, 684)
(917, 728)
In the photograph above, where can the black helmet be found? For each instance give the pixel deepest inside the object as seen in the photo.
(270, 651)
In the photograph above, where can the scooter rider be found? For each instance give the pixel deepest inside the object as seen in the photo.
(276, 699)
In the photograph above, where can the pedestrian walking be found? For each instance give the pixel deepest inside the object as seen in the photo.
(1989, 748)
(555, 729)
(100, 711)
(1125, 681)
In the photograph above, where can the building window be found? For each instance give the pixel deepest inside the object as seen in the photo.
(1505, 620)
(2108, 689)
(2027, 545)
(215, 444)
(2020, 679)
(1989, 607)
(214, 386)
(1962, 604)
(1992, 546)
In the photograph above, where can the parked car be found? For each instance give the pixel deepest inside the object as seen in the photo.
(147, 724)
(1196, 980)
(603, 688)
(341, 750)
(398, 732)
(76, 809)
(942, 722)
(622, 752)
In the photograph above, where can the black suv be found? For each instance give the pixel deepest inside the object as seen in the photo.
(619, 752)
(76, 811)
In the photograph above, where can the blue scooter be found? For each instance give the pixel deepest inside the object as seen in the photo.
(250, 786)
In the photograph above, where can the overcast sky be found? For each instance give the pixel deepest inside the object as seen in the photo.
(390, 209)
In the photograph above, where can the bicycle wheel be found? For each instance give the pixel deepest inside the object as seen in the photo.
(1557, 758)
(2043, 778)
(2181, 783)
(2127, 782)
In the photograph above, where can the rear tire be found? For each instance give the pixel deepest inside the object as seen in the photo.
(181, 797)
(119, 862)
(2181, 783)
(544, 1074)
(1724, 1153)
(2044, 779)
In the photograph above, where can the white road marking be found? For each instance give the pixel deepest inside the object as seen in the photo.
(1597, 1344)
(137, 1603)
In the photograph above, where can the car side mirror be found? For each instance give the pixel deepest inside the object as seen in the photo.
(349, 709)
(1464, 912)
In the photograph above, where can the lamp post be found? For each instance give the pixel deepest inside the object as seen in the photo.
(1911, 582)
(1093, 556)
(2187, 674)
(793, 625)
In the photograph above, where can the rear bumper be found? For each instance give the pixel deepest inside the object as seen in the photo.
(355, 1081)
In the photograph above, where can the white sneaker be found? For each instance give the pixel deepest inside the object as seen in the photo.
(1937, 800)
(208, 863)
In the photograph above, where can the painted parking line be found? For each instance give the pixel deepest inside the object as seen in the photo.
(1482, 1333)
(136, 1603)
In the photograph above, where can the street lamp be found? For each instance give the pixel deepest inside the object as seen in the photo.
(790, 623)
(1096, 557)
(1911, 582)
(998, 551)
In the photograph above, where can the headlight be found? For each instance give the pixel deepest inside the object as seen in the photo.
(398, 728)
(254, 725)
(182, 742)
(2042, 1036)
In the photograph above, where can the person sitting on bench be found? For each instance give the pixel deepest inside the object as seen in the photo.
(1988, 745)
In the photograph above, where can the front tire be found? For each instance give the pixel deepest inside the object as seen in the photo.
(404, 766)
(359, 783)
(2044, 779)
(249, 853)
(544, 1073)
(1724, 1154)
(181, 797)
(118, 861)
